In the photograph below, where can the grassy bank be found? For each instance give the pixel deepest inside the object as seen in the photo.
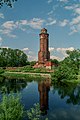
(28, 69)
(27, 76)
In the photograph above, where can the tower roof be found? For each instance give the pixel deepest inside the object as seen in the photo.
(43, 30)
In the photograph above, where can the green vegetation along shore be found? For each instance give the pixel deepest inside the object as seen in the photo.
(67, 69)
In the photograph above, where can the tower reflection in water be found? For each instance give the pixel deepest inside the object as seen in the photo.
(43, 88)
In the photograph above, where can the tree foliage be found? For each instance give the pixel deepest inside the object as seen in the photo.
(35, 113)
(75, 57)
(69, 91)
(69, 67)
(10, 108)
(7, 2)
(55, 61)
(12, 58)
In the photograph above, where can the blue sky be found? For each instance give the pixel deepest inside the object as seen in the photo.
(20, 26)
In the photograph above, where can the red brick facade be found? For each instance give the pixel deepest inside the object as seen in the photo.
(43, 54)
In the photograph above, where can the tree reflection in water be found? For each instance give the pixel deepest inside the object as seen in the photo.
(12, 85)
(43, 88)
(69, 90)
(66, 90)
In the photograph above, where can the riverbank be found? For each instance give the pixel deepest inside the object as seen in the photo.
(24, 75)
(28, 75)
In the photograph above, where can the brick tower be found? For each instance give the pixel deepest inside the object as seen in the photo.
(44, 54)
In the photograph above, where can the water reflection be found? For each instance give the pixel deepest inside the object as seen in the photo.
(43, 88)
(69, 90)
(11, 85)
(61, 100)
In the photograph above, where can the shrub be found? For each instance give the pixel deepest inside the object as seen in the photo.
(10, 108)
(35, 113)
(1, 70)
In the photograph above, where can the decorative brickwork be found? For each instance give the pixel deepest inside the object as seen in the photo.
(43, 54)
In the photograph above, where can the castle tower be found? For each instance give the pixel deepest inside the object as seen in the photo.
(43, 54)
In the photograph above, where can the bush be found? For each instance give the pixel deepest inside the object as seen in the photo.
(1, 70)
(35, 113)
(65, 72)
(10, 108)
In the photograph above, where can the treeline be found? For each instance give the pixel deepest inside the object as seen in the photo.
(12, 58)
(69, 68)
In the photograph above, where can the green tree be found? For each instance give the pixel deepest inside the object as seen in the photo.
(12, 58)
(10, 108)
(32, 63)
(75, 57)
(69, 67)
(56, 62)
(35, 113)
(7, 2)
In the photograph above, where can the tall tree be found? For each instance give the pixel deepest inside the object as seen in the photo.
(7, 2)
(12, 58)
(69, 67)
(75, 57)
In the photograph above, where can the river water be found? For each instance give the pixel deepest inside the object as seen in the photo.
(59, 101)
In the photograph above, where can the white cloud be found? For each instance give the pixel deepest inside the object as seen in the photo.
(75, 21)
(75, 25)
(12, 35)
(63, 50)
(55, 57)
(73, 30)
(78, 27)
(9, 25)
(49, 13)
(50, 21)
(69, 7)
(51, 49)
(63, 0)
(64, 22)
(31, 55)
(60, 53)
(36, 23)
(22, 22)
(4, 47)
(77, 10)
(25, 49)
(72, 7)
(1, 15)
(7, 32)
(49, 1)
(1, 40)
(32, 58)
(4, 31)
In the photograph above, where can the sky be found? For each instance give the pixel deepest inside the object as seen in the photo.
(20, 26)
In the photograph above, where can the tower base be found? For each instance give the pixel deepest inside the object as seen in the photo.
(47, 65)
